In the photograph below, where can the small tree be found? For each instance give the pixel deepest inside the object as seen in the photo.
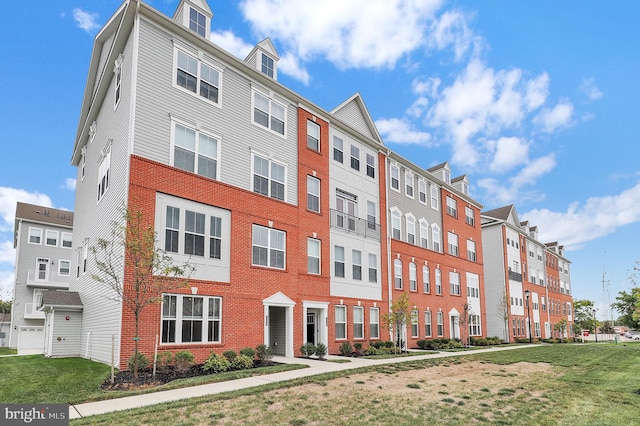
(398, 318)
(561, 327)
(502, 312)
(464, 320)
(131, 251)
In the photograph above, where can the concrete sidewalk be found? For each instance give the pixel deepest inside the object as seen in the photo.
(315, 367)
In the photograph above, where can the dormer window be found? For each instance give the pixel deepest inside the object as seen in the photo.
(197, 22)
(267, 65)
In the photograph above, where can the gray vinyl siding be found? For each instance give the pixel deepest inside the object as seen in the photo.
(494, 279)
(106, 48)
(157, 100)
(102, 308)
(68, 331)
(351, 113)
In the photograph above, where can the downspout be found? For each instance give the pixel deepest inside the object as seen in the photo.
(388, 236)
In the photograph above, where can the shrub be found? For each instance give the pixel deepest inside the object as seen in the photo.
(345, 349)
(371, 351)
(242, 362)
(321, 350)
(164, 359)
(308, 349)
(264, 353)
(250, 352)
(216, 364)
(229, 355)
(388, 344)
(183, 360)
(143, 361)
(357, 346)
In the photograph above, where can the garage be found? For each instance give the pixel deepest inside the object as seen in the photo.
(31, 340)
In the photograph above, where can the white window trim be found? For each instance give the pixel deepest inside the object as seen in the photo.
(393, 168)
(428, 322)
(335, 149)
(311, 241)
(369, 166)
(434, 196)
(41, 232)
(176, 122)
(255, 154)
(199, 58)
(396, 216)
(60, 268)
(117, 89)
(424, 232)
(422, 184)
(46, 237)
(410, 221)
(269, 113)
(409, 183)
(415, 325)
(104, 171)
(374, 321)
(269, 248)
(343, 261)
(361, 323)
(346, 331)
(179, 319)
(69, 238)
(312, 125)
(309, 193)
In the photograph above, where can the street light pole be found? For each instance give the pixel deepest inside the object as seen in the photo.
(595, 324)
(527, 293)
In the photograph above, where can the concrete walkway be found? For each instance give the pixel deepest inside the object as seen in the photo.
(315, 367)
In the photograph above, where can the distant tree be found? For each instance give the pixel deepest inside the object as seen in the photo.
(627, 306)
(502, 312)
(561, 327)
(5, 308)
(150, 270)
(583, 315)
(398, 318)
(607, 327)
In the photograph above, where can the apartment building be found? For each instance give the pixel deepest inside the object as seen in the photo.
(523, 276)
(43, 243)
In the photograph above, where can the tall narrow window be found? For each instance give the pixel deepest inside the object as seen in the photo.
(194, 233)
(215, 238)
(85, 256)
(435, 237)
(313, 136)
(440, 323)
(313, 256)
(413, 277)
(341, 322)
(83, 163)
(422, 191)
(424, 233)
(356, 265)
(452, 240)
(471, 251)
(415, 330)
(454, 283)
(438, 281)
(346, 208)
(118, 81)
(373, 268)
(397, 274)
(192, 318)
(358, 322)
(103, 171)
(172, 229)
(469, 216)
(426, 279)
(169, 318)
(371, 215)
(338, 149)
(434, 197)
(313, 194)
(268, 65)
(452, 207)
(411, 229)
(395, 223)
(338, 261)
(395, 178)
(427, 323)
(408, 184)
(371, 165)
(374, 323)
(355, 157)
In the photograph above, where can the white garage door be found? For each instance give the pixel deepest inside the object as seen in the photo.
(31, 340)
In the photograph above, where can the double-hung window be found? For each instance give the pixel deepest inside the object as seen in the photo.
(313, 256)
(475, 326)
(440, 323)
(427, 323)
(195, 151)
(269, 113)
(371, 165)
(341, 322)
(267, 65)
(426, 280)
(411, 228)
(434, 197)
(415, 330)
(190, 319)
(117, 70)
(395, 178)
(355, 158)
(469, 216)
(269, 247)
(396, 223)
(373, 268)
(338, 149)
(313, 136)
(198, 77)
(408, 184)
(35, 235)
(452, 240)
(66, 238)
(215, 238)
(454, 283)
(51, 238)
(435, 237)
(438, 281)
(452, 207)
(103, 171)
(356, 265)
(64, 268)
(313, 194)
(269, 177)
(172, 229)
(471, 251)
(371, 215)
(397, 274)
(338, 261)
(422, 191)
(374, 323)
(424, 233)
(413, 277)
(194, 233)
(358, 322)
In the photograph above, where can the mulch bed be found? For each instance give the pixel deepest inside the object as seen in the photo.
(124, 380)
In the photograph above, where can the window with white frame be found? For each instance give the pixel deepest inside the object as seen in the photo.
(269, 113)
(413, 277)
(427, 323)
(395, 177)
(434, 197)
(198, 77)
(51, 238)
(452, 241)
(424, 233)
(83, 163)
(452, 207)
(268, 65)
(440, 323)
(426, 279)
(197, 22)
(454, 283)
(358, 322)
(469, 214)
(341, 322)
(313, 194)
(408, 184)
(313, 136)
(415, 328)
(269, 247)
(66, 239)
(191, 319)
(473, 286)
(374, 323)
(338, 261)
(447, 176)
(35, 235)
(373, 268)
(215, 237)
(355, 157)
(411, 228)
(269, 177)
(338, 149)
(475, 326)
(195, 151)
(471, 251)
(435, 237)
(313, 256)
(371, 215)
(396, 223)
(438, 276)
(422, 191)
(346, 208)
(64, 268)
(371, 165)
(194, 233)
(117, 71)
(356, 265)
(397, 274)
(103, 171)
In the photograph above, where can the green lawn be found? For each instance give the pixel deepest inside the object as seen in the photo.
(8, 351)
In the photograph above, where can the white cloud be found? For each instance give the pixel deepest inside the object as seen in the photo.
(70, 184)
(451, 30)
(7, 252)
(290, 65)
(8, 199)
(552, 119)
(509, 153)
(86, 21)
(6, 284)
(589, 88)
(231, 43)
(400, 131)
(537, 91)
(350, 34)
(599, 216)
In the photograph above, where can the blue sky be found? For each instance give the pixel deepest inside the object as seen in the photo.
(537, 102)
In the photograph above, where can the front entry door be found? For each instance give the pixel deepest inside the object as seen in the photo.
(311, 327)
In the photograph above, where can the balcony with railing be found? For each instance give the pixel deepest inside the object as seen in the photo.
(514, 276)
(354, 224)
(31, 312)
(45, 279)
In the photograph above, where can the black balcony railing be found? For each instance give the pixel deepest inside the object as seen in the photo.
(514, 276)
(349, 223)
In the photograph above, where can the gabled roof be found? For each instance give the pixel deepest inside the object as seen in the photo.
(355, 112)
(437, 167)
(501, 213)
(266, 46)
(460, 178)
(40, 214)
(61, 299)
(199, 4)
